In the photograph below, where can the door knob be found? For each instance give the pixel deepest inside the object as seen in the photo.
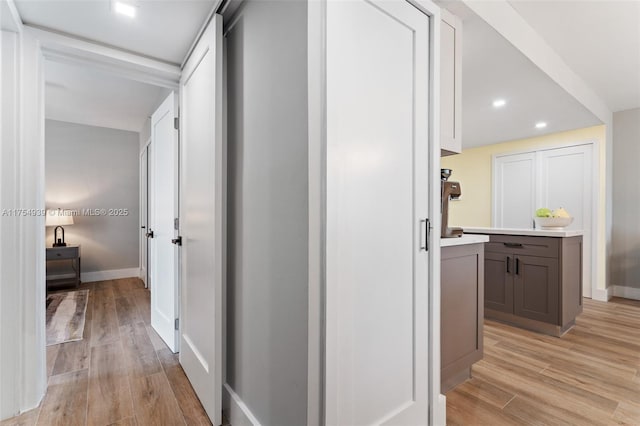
(150, 233)
(177, 241)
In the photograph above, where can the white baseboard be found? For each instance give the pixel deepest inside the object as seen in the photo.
(90, 277)
(626, 292)
(440, 411)
(113, 274)
(236, 411)
(142, 274)
(602, 294)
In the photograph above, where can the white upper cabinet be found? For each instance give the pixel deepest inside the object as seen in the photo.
(450, 84)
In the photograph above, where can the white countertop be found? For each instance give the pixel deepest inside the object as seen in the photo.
(464, 239)
(559, 233)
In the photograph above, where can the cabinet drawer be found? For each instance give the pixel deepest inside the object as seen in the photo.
(521, 245)
(59, 253)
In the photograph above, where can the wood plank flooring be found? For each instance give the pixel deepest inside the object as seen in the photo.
(590, 376)
(121, 373)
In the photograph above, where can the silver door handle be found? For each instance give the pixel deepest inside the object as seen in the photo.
(425, 230)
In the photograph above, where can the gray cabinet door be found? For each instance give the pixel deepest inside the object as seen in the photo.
(498, 285)
(536, 285)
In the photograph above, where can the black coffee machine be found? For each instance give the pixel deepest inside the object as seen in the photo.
(448, 191)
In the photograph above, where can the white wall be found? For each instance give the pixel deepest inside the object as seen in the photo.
(9, 273)
(267, 295)
(91, 167)
(625, 257)
(22, 283)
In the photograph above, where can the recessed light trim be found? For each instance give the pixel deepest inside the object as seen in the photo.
(124, 9)
(499, 103)
(541, 125)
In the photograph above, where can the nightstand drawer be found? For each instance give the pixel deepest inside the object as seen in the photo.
(59, 253)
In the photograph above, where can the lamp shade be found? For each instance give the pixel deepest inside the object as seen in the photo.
(58, 217)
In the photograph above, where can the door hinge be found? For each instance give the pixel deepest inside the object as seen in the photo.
(177, 324)
(176, 123)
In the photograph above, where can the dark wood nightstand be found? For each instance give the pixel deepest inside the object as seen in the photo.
(69, 254)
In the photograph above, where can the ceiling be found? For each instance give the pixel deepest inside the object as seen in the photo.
(162, 30)
(578, 30)
(598, 39)
(83, 95)
(493, 69)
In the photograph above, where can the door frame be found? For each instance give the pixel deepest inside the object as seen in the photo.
(35, 46)
(595, 199)
(144, 214)
(317, 143)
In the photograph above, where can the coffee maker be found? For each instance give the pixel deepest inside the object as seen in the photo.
(449, 191)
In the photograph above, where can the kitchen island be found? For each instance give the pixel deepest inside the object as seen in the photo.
(462, 307)
(533, 277)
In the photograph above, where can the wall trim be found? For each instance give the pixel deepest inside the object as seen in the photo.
(93, 276)
(237, 412)
(626, 292)
(71, 50)
(602, 294)
(14, 21)
(113, 274)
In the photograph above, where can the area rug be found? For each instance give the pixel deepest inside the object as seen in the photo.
(65, 316)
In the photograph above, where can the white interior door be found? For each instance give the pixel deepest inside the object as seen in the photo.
(566, 180)
(377, 335)
(514, 199)
(144, 185)
(202, 192)
(163, 210)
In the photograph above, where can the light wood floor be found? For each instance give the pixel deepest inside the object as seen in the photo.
(121, 373)
(590, 376)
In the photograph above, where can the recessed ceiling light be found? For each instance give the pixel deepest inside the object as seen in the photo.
(541, 125)
(498, 103)
(124, 9)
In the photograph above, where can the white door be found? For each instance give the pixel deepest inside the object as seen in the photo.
(566, 180)
(202, 199)
(377, 311)
(514, 199)
(144, 185)
(163, 210)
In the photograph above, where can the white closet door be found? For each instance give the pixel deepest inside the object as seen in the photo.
(377, 193)
(566, 180)
(514, 190)
(202, 202)
(163, 210)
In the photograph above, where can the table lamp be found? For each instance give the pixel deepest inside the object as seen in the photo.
(58, 218)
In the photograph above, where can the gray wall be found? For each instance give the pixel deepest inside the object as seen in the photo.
(268, 212)
(625, 251)
(95, 168)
